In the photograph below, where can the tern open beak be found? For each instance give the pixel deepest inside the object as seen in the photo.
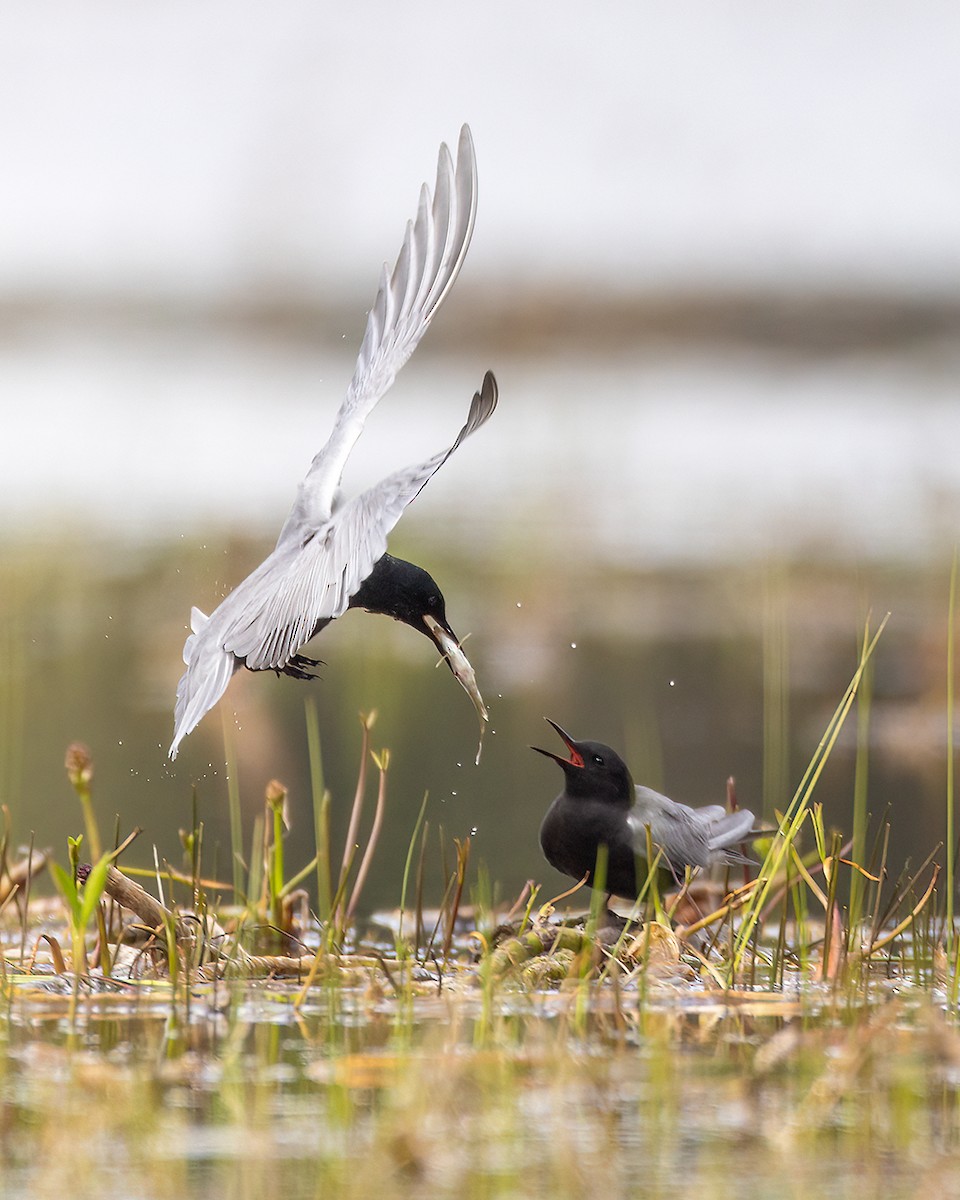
(575, 759)
(459, 664)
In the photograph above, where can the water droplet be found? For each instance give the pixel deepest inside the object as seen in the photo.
(519, 605)
(473, 831)
(573, 645)
(459, 764)
(453, 793)
(673, 683)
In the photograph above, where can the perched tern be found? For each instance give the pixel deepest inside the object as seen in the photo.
(601, 806)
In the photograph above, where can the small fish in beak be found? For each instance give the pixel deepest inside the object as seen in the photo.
(464, 673)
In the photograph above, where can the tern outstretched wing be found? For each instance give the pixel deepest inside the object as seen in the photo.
(434, 247)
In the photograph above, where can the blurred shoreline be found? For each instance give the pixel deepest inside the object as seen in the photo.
(519, 321)
(669, 428)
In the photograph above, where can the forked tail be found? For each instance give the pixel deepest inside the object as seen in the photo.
(209, 669)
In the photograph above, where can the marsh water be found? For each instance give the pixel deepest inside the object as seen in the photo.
(700, 1098)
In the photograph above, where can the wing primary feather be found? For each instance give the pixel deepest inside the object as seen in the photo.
(427, 245)
(465, 191)
(411, 280)
(383, 504)
(393, 294)
(443, 199)
(371, 335)
(407, 300)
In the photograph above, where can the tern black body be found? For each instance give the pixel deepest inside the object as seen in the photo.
(601, 806)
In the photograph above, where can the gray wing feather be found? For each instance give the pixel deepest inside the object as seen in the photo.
(381, 506)
(696, 837)
(711, 812)
(433, 250)
(730, 829)
(672, 827)
(257, 623)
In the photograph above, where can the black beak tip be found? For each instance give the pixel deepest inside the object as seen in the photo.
(561, 731)
(558, 759)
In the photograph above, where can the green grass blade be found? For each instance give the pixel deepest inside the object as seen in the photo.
(233, 800)
(798, 809)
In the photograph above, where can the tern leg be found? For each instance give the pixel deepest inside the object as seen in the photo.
(299, 667)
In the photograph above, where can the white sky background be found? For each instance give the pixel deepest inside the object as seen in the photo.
(182, 147)
(185, 150)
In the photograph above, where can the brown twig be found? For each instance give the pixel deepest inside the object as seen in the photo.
(382, 762)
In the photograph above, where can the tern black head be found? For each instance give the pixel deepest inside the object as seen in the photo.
(408, 593)
(593, 771)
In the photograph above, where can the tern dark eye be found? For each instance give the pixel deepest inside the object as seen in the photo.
(598, 760)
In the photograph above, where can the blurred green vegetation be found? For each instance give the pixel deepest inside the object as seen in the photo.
(695, 675)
